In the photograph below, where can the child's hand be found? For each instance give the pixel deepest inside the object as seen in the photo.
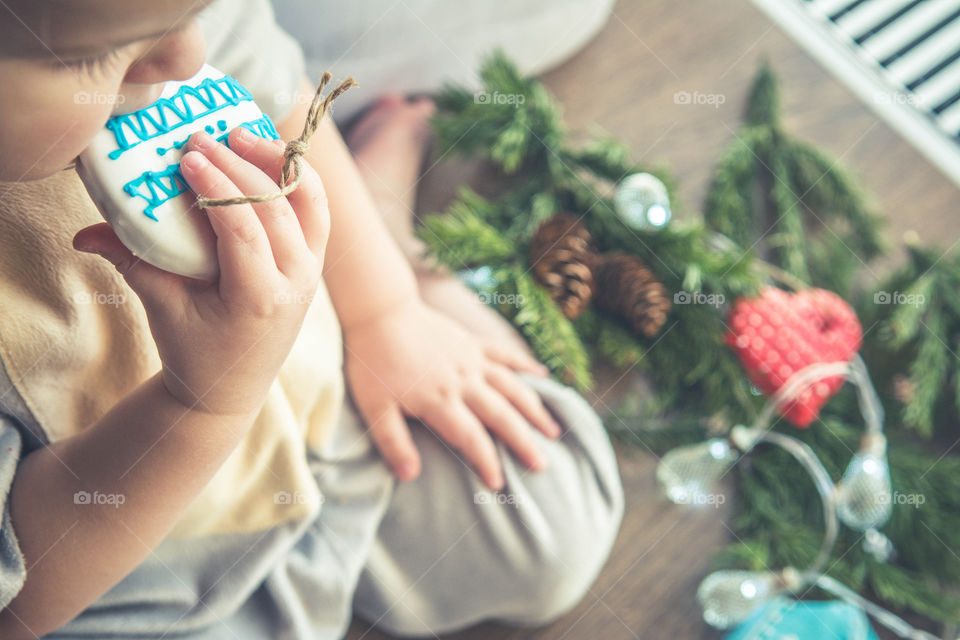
(222, 343)
(415, 361)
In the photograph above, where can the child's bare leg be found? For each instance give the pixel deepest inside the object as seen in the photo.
(389, 144)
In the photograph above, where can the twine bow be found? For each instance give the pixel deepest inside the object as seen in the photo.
(292, 156)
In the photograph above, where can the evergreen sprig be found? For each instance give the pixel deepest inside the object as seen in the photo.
(918, 309)
(777, 207)
(511, 121)
(515, 124)
(790, 202)
(464, 238)
(552, 336)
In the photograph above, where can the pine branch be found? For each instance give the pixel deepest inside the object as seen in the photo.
(550, 334)
(730, 207)
(510, 120)
(921, 330)
(461, 238)
(790, 236)
(604, 156)
(827, 188)
(763, 107)
(800, 209)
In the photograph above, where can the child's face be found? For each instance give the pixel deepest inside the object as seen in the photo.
(66, 66)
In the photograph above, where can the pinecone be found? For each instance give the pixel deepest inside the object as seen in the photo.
(628, 289)
(561, 254)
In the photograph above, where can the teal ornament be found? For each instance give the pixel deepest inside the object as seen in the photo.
(783, 618)
(642, 202)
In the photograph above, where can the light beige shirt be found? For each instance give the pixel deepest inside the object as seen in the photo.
(74, 337)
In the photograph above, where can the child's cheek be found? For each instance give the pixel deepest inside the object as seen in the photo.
(46, 124)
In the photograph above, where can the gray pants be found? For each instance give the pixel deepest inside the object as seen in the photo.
(443, 552)
(421, 558)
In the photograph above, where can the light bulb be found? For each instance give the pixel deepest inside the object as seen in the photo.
(642, 201)
(688, 474)
(729, 597)
(878, 545)
(863, 495)
(480, 279)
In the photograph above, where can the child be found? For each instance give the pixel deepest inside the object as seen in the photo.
(174, 460)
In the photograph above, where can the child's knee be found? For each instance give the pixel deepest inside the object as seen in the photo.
(572, 528)
(524, 556)
(560, 579)
(581, 489)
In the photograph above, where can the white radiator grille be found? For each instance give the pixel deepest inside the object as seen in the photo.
(899, 55)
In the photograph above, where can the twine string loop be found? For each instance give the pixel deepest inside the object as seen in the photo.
(293, 153)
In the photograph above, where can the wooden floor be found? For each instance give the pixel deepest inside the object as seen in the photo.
(624, 82)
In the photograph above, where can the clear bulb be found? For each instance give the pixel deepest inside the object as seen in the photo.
(642, 201)
(688, 474)
(863, 494)
(878, 545)
(480, 279)
(729, 597)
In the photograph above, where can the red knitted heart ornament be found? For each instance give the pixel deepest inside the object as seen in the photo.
(779, 333)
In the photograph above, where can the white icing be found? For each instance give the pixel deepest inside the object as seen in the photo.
(173, 235)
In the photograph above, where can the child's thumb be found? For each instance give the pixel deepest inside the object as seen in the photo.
(148, 282)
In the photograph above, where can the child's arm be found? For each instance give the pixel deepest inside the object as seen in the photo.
(221, 344)
(402, 357)
(150, 449)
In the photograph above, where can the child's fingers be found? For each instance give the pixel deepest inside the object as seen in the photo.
(309, 201)
(524, 398)
(459, 426)
(155, 288)
(242, 247)
(515, 359)
(504, 421)
(277, 216)
(391, 435)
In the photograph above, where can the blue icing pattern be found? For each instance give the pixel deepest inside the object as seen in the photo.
(222, 125)
(162, 151)
(157, 187)
(160, 187)
(167, 114)
(262, 127)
